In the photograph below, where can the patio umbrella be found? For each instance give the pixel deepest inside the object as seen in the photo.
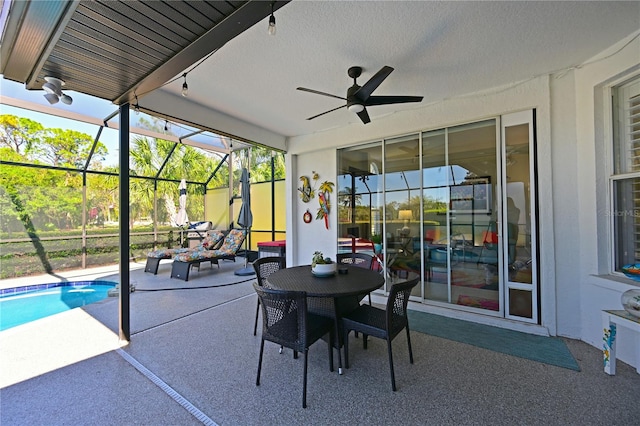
(181, 218)
(245, 218)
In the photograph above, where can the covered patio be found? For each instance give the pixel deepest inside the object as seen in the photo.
(193, 360)
(191, 356)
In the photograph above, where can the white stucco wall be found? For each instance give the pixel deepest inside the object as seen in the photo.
(565, 162)
(570, 146)
(599, 291)
(318, 152)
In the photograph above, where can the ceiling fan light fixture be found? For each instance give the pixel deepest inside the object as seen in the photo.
(358, 97)
(52, 98)
(54, 83)
(66, 99)
(52, 88)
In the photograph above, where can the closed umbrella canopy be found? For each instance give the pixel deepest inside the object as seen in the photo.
(245, 218)
(182, 219)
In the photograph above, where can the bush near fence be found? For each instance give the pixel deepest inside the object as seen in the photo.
(20, 258)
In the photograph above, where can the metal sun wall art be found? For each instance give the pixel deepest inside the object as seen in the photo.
(307, 192)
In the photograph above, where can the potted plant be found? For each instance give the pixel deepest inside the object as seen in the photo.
(376, 239)
(322, 266)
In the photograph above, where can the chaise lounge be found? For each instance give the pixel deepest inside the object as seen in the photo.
(212, 240)
(183, 262)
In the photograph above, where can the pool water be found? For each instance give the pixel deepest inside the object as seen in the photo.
(25, 304)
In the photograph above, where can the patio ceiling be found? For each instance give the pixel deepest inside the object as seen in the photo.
(109, 49)
(247, 87)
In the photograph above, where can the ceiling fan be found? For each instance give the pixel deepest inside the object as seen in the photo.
(359, 97)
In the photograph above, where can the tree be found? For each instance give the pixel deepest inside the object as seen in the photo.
(261, 164)
(102, 194)
(68, 148)
(19, 133)
(186, 162)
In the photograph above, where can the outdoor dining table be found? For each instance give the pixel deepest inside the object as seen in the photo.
(338, 288)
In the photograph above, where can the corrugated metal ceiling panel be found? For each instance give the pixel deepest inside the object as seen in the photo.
(42, 19)
(109, 46)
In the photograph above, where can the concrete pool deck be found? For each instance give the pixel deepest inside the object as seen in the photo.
(192, 359)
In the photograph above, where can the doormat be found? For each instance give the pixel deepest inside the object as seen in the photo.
(548, 350)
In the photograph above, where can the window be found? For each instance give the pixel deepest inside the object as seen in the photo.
(625, 181)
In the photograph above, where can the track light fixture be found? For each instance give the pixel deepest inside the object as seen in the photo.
(185, 86)
(53, 87)
(272, 21)
(66, 99)
(52, 98)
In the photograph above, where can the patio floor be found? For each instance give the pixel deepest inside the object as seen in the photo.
(192, 359)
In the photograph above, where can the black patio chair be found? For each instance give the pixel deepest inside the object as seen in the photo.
(361, 260)
(286, 322)
(264, 267)
(382, 323)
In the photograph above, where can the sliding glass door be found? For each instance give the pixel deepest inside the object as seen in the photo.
(460, 215)
(455, 205)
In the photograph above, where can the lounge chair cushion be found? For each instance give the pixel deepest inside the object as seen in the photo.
(167, 253)
(232, 242)
(212, 240)
(230, 246)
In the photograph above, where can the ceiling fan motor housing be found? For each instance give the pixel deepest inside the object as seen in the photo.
(359, 97)
(353, 103)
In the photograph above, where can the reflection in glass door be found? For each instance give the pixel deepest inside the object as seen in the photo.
(455, 205)
(519, 228)
(460, 216)
(402, 207)
(360, 200)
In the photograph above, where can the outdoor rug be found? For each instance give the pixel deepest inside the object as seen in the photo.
(548, 350)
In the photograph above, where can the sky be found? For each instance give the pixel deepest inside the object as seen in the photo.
(82, 104)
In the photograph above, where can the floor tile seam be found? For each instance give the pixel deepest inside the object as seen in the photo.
(192, 313)
(172, 393)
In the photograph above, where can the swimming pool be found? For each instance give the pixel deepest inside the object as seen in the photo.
(21, 305)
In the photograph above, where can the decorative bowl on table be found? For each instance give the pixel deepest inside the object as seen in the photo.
(324, 269)
(632, 271)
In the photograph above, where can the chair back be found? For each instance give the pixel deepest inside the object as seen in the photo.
(397, 304)
(361, 260)
(284, 317)
(232, 242)
(212, 241)
(266, 266)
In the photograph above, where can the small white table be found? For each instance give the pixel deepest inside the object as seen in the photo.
(610, 320)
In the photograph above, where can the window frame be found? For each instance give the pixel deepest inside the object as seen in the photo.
(617, 176)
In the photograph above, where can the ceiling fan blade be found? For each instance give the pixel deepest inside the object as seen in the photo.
(367, 89)
(304, 89)
(326, 112)
(364, 116)
(386, 100)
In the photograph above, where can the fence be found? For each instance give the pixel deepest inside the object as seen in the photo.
(40, 255)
